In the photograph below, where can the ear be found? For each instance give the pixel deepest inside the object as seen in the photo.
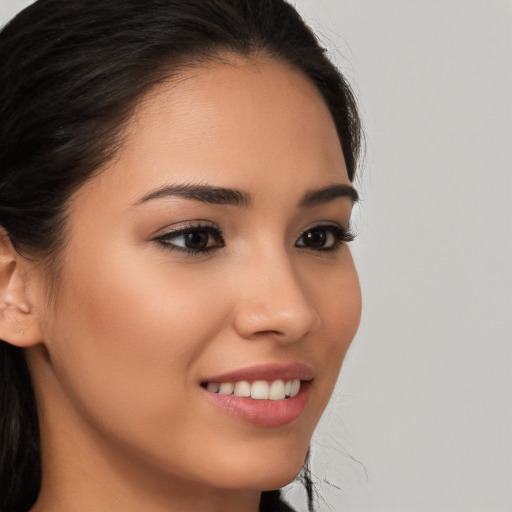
(19, 324)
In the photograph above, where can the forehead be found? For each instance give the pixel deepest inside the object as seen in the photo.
(241, 124)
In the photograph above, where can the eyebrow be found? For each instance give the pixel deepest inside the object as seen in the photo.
(202, 193)
(324, 195)
(229, 196)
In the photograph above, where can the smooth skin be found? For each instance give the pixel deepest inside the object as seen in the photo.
(138, 319)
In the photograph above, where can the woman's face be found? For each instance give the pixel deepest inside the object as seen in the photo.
(208, 254)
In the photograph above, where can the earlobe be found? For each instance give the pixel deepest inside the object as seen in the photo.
(18, 324)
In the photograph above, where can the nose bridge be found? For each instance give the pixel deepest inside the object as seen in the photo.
(273, 299)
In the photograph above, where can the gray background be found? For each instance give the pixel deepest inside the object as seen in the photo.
(422, 416)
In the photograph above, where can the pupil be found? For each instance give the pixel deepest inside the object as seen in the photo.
(315, 238)
(196, 240)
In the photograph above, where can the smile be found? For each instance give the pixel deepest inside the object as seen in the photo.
(271, 395)
(266, 406)
(257, 390)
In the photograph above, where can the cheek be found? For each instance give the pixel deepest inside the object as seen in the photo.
(339, 302)
(124, 303)
(127, 338)
(342, 311)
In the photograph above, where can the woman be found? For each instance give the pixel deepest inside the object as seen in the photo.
(177, 295)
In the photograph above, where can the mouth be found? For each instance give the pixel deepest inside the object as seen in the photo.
(266, 396)
(257, 390)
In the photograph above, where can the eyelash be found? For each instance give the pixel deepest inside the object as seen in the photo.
(211, 231)
(338, 234)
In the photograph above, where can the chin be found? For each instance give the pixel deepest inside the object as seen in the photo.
(265, 473)
(268, 480)
(278, 479)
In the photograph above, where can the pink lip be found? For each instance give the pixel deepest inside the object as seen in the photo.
(265, 413)
(266, 372)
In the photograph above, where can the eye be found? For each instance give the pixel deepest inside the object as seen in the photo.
(326, 237)
(192, 239)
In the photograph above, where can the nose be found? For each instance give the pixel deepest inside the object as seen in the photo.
(274, 302)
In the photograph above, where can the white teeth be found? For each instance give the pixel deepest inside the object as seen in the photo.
(276, 391)
(258, 390)
(226, 388)
(242, 388)
(295, 387)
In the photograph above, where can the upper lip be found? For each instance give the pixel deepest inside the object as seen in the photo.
(269, 372)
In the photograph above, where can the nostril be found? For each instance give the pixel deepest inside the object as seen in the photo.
(267, 333)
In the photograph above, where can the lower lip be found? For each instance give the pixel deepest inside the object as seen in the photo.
(264, 413)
